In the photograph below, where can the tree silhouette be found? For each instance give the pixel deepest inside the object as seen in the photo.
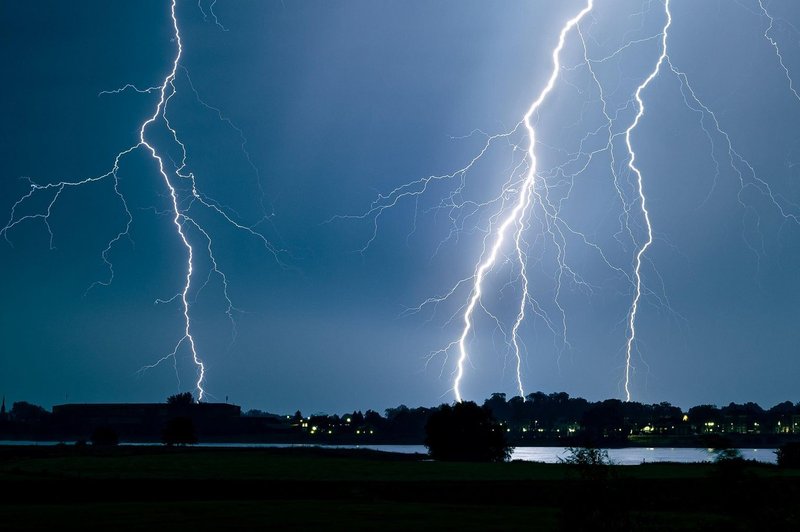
(789, 455)
(466, 432)
(180, 399)
(25, 412)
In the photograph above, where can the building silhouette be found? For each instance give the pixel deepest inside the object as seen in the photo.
(143, 421)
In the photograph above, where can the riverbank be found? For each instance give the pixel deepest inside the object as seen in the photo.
(127, 488)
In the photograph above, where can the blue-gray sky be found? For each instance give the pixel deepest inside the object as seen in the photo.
(342, 101)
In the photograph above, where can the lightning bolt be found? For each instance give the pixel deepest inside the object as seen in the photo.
(180, 203)
(211, 12)
(777, 49)
(516, 216)
(637, 271)
(531, 195)
(528, 197)
(744, 170)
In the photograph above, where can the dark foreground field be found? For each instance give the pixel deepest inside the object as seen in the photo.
(130, 488)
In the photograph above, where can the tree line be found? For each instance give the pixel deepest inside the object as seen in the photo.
(557, 416)
(538, 418)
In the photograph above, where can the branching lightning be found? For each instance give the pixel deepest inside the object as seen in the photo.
(181, 204)
(528, 194)
(637, 271)
(515, 217)
(520, 221)
(777, 49)
(744, 170)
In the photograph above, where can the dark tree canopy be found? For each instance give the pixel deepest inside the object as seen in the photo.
(789, 455)
(25, 412)
(536, 419)
(466, 432)
(180, 399)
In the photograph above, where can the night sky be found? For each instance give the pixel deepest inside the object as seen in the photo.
(338, 102)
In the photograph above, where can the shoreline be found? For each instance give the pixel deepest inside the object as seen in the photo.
(736, 442)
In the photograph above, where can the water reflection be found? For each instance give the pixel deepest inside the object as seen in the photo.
(638, 455)
(549, 455)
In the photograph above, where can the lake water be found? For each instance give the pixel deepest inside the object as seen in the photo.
(638, 455)
(549, 455)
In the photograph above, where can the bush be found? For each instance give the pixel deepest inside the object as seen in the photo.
(465, 432)
(592, 463)
(727, 455)
(789, 455)
(586, 456)
(595, 502)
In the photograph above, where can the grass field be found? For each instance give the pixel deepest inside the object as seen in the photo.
(135, 488)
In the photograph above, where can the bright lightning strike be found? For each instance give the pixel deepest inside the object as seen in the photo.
(529, 195)
(746, 173)
(523, 225)
(181, 204)
(637, 272)
(516, 216)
